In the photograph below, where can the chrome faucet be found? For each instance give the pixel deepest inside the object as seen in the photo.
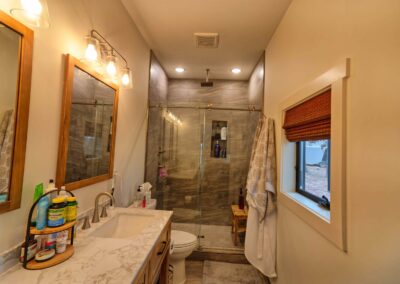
(96, 217)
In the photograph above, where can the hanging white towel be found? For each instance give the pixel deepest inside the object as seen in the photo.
(260, 243)
(121, 193)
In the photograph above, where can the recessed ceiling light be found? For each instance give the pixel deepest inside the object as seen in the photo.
(179, 69)
(236, 70)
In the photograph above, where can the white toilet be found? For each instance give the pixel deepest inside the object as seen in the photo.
(183, 245)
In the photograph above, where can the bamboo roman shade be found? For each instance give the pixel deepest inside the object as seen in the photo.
(311, 120)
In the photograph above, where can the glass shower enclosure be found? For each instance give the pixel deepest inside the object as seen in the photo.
(197, 160)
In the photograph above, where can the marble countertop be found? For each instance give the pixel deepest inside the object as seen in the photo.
(96, 259)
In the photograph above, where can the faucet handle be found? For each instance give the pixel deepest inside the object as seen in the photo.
(86, 223)
(104, 212)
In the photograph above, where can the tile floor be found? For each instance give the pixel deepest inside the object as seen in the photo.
(212, 272)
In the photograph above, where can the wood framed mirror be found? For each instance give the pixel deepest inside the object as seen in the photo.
(16, 47)
(88, 127)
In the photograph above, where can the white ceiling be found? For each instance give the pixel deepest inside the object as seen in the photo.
(244, 26)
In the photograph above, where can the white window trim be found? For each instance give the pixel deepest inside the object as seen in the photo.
(331, 224)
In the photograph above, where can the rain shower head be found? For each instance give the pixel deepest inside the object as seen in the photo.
(207, 83)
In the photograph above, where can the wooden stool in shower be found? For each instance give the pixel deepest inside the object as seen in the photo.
(239, 216)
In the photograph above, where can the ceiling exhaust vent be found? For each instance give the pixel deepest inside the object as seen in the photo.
(206, 40)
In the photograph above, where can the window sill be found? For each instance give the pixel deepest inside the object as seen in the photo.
(310, 205)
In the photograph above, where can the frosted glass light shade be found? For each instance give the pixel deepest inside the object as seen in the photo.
(111, 65)
(126, 78)
(33, 13)
(92, 50)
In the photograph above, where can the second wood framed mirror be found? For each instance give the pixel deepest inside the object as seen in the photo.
(88, 127)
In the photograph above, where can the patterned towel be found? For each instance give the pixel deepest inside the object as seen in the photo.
(261, 178)
(6, 149)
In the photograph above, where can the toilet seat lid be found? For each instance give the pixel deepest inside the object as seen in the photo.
(182, 238)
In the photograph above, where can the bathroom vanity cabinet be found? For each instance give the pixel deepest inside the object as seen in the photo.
(155, 269)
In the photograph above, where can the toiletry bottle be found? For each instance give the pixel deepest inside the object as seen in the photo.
(42, 206)
(241, 199)
(144, 202)
(217, 132)
(63, 193)
(223, 153)
(57, 212)
(36, 195)
(71, 210)
(138, 197)
(51, 186)
(223, 133)
(148, 197)
(217, 149)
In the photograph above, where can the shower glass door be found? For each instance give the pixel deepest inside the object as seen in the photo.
(178, 178)
(226, 148)
(197, 160)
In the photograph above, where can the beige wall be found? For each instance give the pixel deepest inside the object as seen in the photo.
(313, 36)
(256, 84)
(71, 20)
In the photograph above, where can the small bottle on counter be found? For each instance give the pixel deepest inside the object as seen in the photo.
(71, 210)
(61, 241)
(51, 186)
(50, 241)
(56, 212)
(144, 202)
(32, 249)
(43, 205)
(63, 193)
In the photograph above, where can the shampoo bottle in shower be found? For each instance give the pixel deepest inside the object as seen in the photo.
(217, 149)
(241, 199)
(223, 133)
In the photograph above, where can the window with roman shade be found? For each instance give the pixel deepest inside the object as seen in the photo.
(310, 120)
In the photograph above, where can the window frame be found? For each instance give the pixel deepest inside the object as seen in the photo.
(330, 224)
(300, 174)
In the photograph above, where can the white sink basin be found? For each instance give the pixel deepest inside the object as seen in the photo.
(124, 226)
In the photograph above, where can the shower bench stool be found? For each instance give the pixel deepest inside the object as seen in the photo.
(239, 217)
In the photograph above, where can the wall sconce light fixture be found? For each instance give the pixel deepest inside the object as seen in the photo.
(32, 12)
(173, 118)
(92, 49)
(111, 62)
(99, 50)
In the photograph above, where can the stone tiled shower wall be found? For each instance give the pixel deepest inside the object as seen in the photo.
(200, 189)
(158, 89)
